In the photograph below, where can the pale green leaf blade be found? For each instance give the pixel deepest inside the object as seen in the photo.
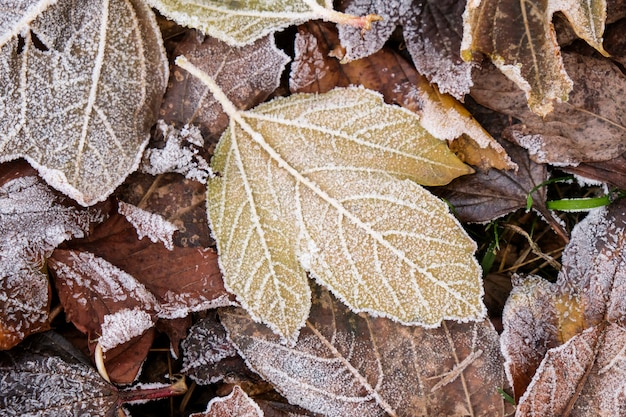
(241, 22)
(80, 85)
(304, 184)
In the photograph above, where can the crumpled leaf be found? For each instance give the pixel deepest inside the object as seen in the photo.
(316, 70)
(519, 38)
(432, 32)
(94, 87)
(590, 127)
(147, 224)
(47, 376)
(355, 365)
(240, 23)
(33, 220)
(248, 75)
(540, 316)
(237, 403)
(317, 162)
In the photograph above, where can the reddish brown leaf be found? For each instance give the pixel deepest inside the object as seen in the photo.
(34, 219)
(236, 404)
(612, 172)
(590, 126)
(355, 365)
(247, 75)
(432, 32)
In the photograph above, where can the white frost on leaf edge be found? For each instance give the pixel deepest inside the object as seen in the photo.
(122, 326)
(152, 225)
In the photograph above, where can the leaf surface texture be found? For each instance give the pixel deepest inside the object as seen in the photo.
(80, 87)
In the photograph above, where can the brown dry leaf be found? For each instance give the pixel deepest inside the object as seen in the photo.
(591, 126)
(612, 172)
(34, 219)
(236, 404)
(540, 316)
(248, 75)
(316, 69)
(519, 38)
(432, 31)
(355, 365)
(89, 74)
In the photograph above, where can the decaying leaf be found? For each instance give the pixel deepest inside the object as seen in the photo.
(236, 404)
(519, 38)
(89, 74)
(33, 221)
(590, 127)
(432, 32)
(240, 23)
(611, 172)
(248, 75)
(316, 70)
(154, 226)
(540, 316)
(362, 228)
(355, 365)
(47, 376)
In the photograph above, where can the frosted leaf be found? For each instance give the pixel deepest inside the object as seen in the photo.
(237, 403)
(318, 163)
(177, 156)
(80, 87)
(432, 31)
(240, 23)
(122, 326)
(316, 69)
(154, 226)
(247, 75)
(590, 290)
(351, 365)
(33, 221)
(46, 376)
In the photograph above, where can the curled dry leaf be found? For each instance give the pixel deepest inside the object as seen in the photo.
(236, 404)
(611, 172)
(33, 221)
(590, 127)
(240, 23)
(432, 31)
(317, 162)
(519, 38)
(95, 87)
(316, 70)
(355, 365)
(247, 75)
(588, 292)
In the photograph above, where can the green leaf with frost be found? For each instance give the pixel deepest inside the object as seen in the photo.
(80, 87)
(241, 22)
(326, 184)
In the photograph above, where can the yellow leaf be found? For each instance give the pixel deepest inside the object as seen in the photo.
(325, 184)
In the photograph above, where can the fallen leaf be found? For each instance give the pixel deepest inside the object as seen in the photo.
(588, 291)
(46, 376)
(248, 75)
(33, 220)
(519, 38)
(355, 365)
(208, 355)
(236, 404)
(432, 31)
(241, 23)
(316, 70)
(95, 87)
(612, 172)
(151, 225)
(317, 162)
(589, 127)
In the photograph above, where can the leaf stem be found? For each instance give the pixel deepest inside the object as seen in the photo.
(364, 22)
